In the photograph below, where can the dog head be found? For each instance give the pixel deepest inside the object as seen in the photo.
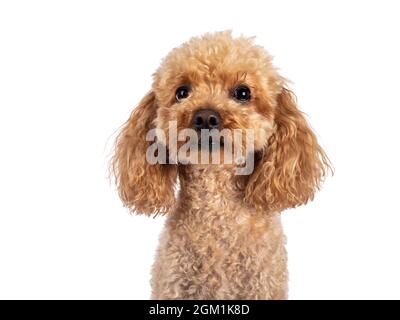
(222, 83)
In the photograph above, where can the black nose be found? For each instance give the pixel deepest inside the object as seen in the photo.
(206, 119)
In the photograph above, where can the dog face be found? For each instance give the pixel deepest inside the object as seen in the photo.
(218, 82)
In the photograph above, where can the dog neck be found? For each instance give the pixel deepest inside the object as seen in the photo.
(210, 186)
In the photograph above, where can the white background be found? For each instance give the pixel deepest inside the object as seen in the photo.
(70, 74)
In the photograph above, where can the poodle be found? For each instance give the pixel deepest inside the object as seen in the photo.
(223, 237)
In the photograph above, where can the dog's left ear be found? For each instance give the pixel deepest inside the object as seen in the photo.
(290, 170)
(143, 187)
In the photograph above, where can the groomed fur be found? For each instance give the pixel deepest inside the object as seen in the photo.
(291, 169)
(223, 238)
(145, 188)
(214, 247)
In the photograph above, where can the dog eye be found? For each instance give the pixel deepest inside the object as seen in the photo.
(242, 93)
(182, 93)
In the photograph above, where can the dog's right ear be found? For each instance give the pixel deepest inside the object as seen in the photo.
(143, 187)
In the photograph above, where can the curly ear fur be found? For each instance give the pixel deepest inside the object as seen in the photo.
(293, 165)
(143, 187)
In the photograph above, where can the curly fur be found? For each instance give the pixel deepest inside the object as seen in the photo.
(223, 237)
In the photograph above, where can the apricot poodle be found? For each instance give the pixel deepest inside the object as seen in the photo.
(223, 237)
